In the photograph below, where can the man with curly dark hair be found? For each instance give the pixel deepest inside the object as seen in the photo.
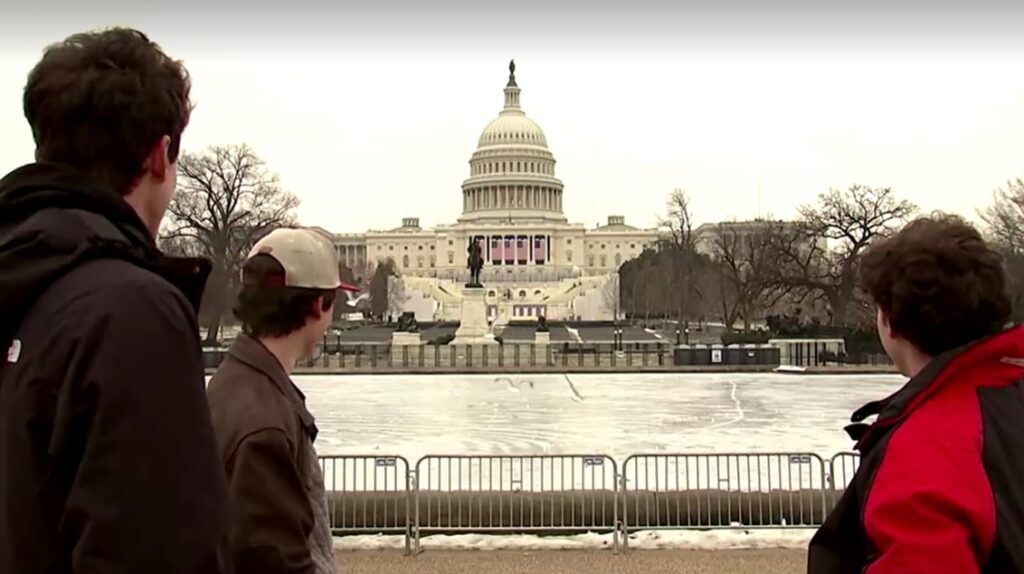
(939, 487)
(108, 461)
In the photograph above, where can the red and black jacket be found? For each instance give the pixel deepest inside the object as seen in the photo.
(940, 488)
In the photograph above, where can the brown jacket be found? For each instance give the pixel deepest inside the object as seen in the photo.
(265, 436)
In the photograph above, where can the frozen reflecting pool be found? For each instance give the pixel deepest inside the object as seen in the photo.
(614, 414)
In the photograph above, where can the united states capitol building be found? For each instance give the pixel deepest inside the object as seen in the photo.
(536, 261)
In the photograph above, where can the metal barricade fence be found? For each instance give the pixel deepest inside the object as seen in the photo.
(554, 494)
(681, 491)
(516, 494)
(369, 495)
(843, 467)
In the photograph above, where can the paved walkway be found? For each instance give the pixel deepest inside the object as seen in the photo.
(568, 561)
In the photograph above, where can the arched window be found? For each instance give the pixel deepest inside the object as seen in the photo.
(405, 261)
(451, 258)
(522, 294)
(618, 259)
(419, 261)
(591, 259)
(568, 256)
(604, 260)
(490, 293)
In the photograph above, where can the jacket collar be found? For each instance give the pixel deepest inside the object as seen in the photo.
(53, 217)
(1002, 351)
(251, 352)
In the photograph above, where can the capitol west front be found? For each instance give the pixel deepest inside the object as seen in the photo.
(536, 262)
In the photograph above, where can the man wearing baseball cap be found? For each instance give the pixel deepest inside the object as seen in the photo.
(278, 507)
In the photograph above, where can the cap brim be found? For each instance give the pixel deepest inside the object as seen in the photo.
(342, 286)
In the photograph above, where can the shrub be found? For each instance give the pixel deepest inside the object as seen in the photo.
(442, 339)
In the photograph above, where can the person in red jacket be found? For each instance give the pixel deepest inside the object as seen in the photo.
(940, 488)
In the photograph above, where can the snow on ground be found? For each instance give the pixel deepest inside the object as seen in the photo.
(614, 414)
(732, 539)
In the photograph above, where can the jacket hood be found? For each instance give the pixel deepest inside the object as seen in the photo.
(53, 218)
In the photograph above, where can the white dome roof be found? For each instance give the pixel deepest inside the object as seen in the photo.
(512, 127)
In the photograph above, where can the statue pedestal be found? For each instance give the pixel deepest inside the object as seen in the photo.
(473, 329)
(542, 338)
(401, 339)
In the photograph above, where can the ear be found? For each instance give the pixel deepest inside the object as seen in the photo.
(883, 324)
(158, 162)
(318, 308)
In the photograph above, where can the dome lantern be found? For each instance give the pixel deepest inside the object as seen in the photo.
(512, 90)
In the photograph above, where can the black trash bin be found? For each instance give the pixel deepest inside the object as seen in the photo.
(682, 355)
(213, 357)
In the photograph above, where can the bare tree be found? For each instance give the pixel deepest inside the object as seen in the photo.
(678, 220)
(1005, 222)
(396, 295)
(227, 199)
(1005, 217)
(820, 256)
(378, 287)
(610, 294)
(747, 270)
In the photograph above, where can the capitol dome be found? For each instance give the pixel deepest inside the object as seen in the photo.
(512, 172)
(512, 128)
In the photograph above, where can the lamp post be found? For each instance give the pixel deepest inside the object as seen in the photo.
(677, 336)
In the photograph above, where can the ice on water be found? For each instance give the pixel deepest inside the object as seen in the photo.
(612, 414)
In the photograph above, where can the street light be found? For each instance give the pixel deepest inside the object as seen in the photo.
(677, 336)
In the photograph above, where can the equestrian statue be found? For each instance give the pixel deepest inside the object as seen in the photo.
(475, 262)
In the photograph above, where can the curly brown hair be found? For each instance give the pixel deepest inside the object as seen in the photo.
(100, 101)
(940, 285)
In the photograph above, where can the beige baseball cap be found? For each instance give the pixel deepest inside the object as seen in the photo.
(308, 258)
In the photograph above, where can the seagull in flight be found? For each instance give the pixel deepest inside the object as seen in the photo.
(353, 301)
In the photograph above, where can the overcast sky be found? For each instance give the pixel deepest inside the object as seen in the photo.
(371, 113)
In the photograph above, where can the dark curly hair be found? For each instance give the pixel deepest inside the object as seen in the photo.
(938, 282)
(268, 309)
(100, 101)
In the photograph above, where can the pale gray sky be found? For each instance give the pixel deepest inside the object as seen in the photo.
(370, 114)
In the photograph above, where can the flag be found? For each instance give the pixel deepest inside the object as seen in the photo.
(539, 249)
(496, 251)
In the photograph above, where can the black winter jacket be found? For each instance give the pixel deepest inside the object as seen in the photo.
(108, 461)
